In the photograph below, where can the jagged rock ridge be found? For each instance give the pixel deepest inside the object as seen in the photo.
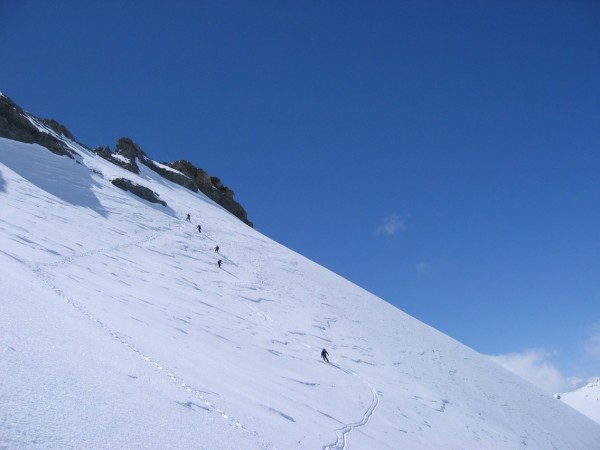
(19, 125)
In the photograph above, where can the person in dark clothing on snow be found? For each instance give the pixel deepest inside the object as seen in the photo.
(199, 229)
(219, 262)
(217, 249)
(188, 218)
(324, 355)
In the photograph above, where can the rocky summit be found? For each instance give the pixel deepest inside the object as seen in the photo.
(19, 125)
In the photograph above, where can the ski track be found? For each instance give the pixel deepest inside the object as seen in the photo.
(342, 433)
(42, 276)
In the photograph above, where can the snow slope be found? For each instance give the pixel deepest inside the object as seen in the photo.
(586, 400)
(118, 330)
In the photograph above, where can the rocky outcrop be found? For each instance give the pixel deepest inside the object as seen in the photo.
(139, 190)
(58, 128)
(181, 172)
(19, 125)
(212, 188)
(198, 176)
(128, 152)
(172, 175)
(224, 197)
(121, 161)
(16, 124)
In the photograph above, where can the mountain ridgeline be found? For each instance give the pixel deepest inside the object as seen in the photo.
(19, 125)
(125, 325)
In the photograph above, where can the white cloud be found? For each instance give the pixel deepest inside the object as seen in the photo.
(391, 225)
(534, 366)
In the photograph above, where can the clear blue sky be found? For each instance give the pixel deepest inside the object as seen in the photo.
(444, 155)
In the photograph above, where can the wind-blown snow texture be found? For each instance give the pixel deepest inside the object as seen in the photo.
(118, 330)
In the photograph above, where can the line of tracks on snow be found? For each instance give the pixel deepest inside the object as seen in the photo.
(342, 433)
(37, 269)
(42, 276)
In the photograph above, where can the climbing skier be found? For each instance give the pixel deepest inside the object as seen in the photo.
(219, 262)
(217, 249)
(324, 355)
(199, 229)
(188, 218)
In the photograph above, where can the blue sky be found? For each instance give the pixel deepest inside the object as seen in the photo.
(442, 155)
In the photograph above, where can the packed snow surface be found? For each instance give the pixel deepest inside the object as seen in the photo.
(586, 400)
(118, 330)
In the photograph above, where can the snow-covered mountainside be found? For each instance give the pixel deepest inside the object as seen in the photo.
(586, 400)
(119, 330)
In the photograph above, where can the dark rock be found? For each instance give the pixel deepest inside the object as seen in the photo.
(129, 152)
(103, 152)
(213, 188)
(118, 160)
(176, 177)
(15, 125)
(199, 177)
(139, 190)
(58, 128)
(217, 183)
(129, 149)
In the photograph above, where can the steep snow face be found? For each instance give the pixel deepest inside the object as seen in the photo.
(586, 400)
(119, 330)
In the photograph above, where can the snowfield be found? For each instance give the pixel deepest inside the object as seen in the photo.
(586, 400)
(118, 330)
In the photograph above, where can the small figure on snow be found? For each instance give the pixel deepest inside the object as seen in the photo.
(217, 249)
(199, 229)
(219, 262)
(324, 355)
(188, 218)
